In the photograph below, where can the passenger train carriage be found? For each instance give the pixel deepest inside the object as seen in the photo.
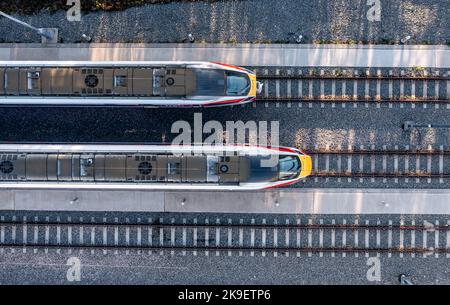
(125, 83)
(117, 166)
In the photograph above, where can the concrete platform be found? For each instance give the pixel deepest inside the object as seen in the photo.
(306, 201)
(241, 54)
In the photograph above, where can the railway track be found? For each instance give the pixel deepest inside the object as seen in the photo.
(284, 239)
(381, 163)
(416, 85)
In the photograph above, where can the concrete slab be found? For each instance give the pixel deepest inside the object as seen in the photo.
(302, 201)
(61, 200)
(6, 200)
(241, 54)
(381, 202)
(239, 202)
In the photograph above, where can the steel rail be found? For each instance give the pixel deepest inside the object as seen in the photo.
(339, 99)
(227, 225)
(362, 249)
(351, 77)
(378, 152)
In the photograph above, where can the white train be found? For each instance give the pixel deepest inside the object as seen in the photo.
(152, 167)
(125, 83)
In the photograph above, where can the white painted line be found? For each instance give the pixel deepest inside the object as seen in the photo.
(139, 236)
(300, 85)
(81, 236)
(263, 237)
(356, 236)
(355, 89)
(436, 239)
(241, 236)
(378, 96)
(417, 167)
(366, 89)
(413, 237)
(406, 165)
(344, 89)
(344, 237)
(349, 164)
(378, 237)
(2, 234)
(366, 239)
(441, 164)
(339, 163)
(298, 238)
(184, 236)
(35, 237)
(275, 237)
(425, 89)
(361, 164)
(390, 238)
(448, 238)
(194, 236)
(266, 84)
(116, 235)
(69, 235)
(429, 167)
(13, 233)
(25, 234)
(286, 237)
(401, 237)
(217, 235)
(277, 84)
(252, 237)
(402, 89)
(309, 237)
(424, 238)
(206, 236)
(289, 93)
(150, 235)
(391, 89)
(333, 237)
(321, 238)
(93, 236)
(372, 165)
(172, 236)
(436, 89)
(322, 86)
(230, 235)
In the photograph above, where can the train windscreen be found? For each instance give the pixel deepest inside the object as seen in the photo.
(289, 167)
(238, 84)
(210, 82)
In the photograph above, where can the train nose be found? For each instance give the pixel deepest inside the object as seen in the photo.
(306, 166)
